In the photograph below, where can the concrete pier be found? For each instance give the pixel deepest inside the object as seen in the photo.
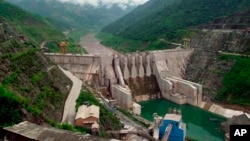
(125, 70)
(141, 69)
(133, 73)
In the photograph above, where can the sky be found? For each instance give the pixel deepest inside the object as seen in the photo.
(106, 2)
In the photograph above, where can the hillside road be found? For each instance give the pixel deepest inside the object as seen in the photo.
(69, 106)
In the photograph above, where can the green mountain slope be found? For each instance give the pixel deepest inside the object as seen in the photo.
(71, 17)
(137, 15)
(169, 20)
(35, 27)
(31, 86)
(224, 76)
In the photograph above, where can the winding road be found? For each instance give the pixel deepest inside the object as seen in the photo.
(69, 106)
(93, 46)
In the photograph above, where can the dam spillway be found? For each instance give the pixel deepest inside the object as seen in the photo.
(126, 75)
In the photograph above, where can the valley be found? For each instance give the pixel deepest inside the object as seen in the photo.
(138, 88)
(125, 71)
(93, 46)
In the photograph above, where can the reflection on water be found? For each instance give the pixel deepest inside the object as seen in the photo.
(201, 125)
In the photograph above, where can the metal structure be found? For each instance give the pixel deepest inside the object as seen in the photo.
(63, 47)
(186, 42)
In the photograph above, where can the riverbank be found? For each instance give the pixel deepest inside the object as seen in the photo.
(220, 110)
(93, 45)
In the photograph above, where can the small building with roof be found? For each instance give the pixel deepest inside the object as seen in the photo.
(172, 128)
(27, 131)
(88, 117)
(169, 128)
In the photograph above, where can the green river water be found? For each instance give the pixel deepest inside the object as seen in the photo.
(197, 120)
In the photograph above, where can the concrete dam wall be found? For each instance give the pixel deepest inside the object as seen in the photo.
(136, 76)
(84, 67)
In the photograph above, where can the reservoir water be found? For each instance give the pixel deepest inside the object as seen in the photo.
(200, 124)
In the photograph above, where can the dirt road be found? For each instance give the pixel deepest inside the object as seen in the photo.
(93, 46)
(69, 106)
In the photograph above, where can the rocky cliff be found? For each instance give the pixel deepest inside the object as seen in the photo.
(205, 65)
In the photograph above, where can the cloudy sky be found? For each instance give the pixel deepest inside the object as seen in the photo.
(106, 2)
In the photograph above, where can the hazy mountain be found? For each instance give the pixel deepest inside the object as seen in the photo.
(74, 16)
(169, 19)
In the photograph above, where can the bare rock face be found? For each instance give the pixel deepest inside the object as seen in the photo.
(227, 34)
(3, 33)
(204, 66)
(237, 21)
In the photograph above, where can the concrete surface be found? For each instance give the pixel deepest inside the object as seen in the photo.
(69, 106)
(122, 95)
(166, 65)
(228, 113)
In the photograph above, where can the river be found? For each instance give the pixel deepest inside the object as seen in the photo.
(197, 120)
(93, 46)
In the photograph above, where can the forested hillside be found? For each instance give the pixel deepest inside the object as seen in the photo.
(170, 19)
(224, 77)
(76, 19)
(31, 87)
(36, 28)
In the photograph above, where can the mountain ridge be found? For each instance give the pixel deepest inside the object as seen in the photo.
(172, 21)
(73, 16)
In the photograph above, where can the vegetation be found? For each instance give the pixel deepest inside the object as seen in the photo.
(236, 82)
(171, 20)
(129, 45)
(125, 112)
(77, 19)
(28, 89)
(9, 112)
(72, 128)
(107, 120)
(54, 46)
(36, 28)
(76, 34)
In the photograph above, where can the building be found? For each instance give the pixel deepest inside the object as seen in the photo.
(88, 117)
(136, 108)
(26, 131)
(169, 128)
(172, 125)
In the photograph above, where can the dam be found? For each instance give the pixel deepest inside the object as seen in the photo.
(139, 81)
(127, 75)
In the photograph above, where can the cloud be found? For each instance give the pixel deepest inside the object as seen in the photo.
(121, 3)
